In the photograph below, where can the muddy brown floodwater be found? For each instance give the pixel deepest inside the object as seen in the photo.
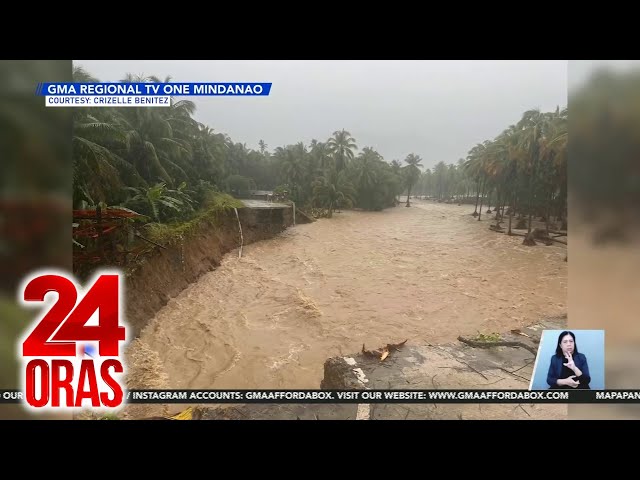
(427, 274)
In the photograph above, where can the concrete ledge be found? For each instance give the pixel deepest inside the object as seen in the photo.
(420, 367)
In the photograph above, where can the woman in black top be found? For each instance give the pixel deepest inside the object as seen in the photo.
(568, 367)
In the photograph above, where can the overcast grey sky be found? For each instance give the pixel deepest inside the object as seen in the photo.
(435, 108)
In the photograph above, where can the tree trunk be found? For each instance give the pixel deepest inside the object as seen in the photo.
(530, 209)
(529, 240)
(330, 209)
(481, 200)
(561, 201)
(531, 180)
(475, 212)
(510, 211)
(548, 215)
(510, 218)
(408, 195)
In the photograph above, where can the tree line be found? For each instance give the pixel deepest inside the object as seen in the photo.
(162, 163)
(523, 169)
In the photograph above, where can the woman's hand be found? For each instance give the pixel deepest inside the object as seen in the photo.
(570, 365)
(569, 382)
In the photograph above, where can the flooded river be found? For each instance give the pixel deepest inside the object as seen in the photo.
(427, 274)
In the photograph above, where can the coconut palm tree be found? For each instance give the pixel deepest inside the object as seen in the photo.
(156, 200)
(364, 173)
(342, 146)
(533, 125)
(412, 173)
(473, 169)
(99, 172)
(262, 146)
(333, 190)
(291, 168)
(553, 156)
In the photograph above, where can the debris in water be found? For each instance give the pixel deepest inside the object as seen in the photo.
(385, 354)
(184, 415)
(384, 351)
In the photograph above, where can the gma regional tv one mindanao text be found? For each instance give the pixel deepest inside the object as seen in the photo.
(357, 240)
(139, 94)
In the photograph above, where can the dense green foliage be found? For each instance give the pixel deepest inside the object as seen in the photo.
(164, 164)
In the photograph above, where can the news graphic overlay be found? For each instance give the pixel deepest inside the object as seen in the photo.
(569, 360)
(148, 94)
(71, 354)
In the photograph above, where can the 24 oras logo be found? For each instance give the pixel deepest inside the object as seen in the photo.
(71, 353)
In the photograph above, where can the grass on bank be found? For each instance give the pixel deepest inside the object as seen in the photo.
(172, 233)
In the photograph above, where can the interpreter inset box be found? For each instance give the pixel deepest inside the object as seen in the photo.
(569, 359)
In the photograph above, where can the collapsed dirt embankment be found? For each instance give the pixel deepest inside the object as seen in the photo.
(166, 272)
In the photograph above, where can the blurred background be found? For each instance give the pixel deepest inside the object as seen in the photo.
(35, 195)
(604, 198)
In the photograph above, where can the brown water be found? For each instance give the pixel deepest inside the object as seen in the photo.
(427, 274)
